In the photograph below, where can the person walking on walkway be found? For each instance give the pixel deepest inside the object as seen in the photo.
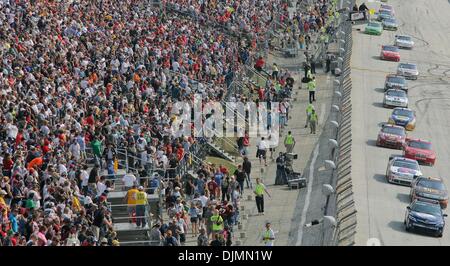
(130, 199)
(141, 202)
(309, 110)
(268, 236)
(247, 167)
(312, 90)
(262, 151)
(217, 223)
(202, 239)
(275, 71)
(240, 178)
(260, 188)
(289, 142)
(313, 121)
(313, 66)
(307, 69)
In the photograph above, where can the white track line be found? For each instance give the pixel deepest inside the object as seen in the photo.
(308, 195)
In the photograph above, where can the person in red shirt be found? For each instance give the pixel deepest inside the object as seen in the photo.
(180, 152)
(19, 137)
(223, 169)
(90, 120)
(212, 188)
(46, 146)
(8, 164)
(246, 143)
(261, 94)
(259, 64)
(168, 149)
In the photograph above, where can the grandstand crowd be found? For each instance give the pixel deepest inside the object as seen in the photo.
(84, 78)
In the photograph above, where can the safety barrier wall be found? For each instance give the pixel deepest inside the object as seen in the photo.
(342, 204)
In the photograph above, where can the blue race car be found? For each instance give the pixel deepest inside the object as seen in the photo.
(404, 117)
(384, 15)
(426, 215)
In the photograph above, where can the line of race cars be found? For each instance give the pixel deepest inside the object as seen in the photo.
(429, 195)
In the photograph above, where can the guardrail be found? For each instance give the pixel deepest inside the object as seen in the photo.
(341, 204)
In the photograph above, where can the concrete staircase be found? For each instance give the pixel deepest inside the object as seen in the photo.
(214, 148)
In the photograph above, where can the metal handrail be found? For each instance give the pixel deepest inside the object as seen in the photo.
(142, 241)
(228, 108)
(129, 217)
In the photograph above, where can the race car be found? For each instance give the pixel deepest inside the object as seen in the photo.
(403, 117)
(391, 136)
(430, 188)
(395, 82)
(390, 24)
(408, 70)
(395, 98)
(384, 14)
(390, 53)
(419, 150)
(373, 28)
(387, 8)
(402, 171)
(425, 215)
(404, 41)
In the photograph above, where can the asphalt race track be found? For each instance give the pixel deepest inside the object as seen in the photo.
(381, 206)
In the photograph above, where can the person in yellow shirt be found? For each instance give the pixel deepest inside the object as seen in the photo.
(2, 200)
(141, 203)
(130, 199)
(259, 195)
(217, 223)
(312, 90)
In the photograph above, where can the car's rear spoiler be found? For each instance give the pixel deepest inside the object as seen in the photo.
(393, 156)
(428, 200)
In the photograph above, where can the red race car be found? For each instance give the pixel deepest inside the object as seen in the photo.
(390, 53)
(391, 136)
(420, 150)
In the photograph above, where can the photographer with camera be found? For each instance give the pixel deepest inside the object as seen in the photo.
(281, 171)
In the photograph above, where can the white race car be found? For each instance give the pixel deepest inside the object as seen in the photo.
(404, 41)
(408, 70)
(402, 171)
(395, 98)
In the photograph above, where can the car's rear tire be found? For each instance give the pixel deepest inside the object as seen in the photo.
(439, 233)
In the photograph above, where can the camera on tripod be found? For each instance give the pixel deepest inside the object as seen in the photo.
(291, 156)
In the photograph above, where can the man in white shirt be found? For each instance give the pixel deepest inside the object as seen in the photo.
(84, 177)
(101, 187)
(11, 131)
(75, 150)
(262, 150)
(268, 236)
(129, 180)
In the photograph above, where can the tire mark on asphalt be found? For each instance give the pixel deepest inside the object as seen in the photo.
(416, 103)
(430, 70)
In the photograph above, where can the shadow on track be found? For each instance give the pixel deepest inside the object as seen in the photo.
(380, 178)
(378, 104)
(371, 142)
(404, 198)
(397, 226)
